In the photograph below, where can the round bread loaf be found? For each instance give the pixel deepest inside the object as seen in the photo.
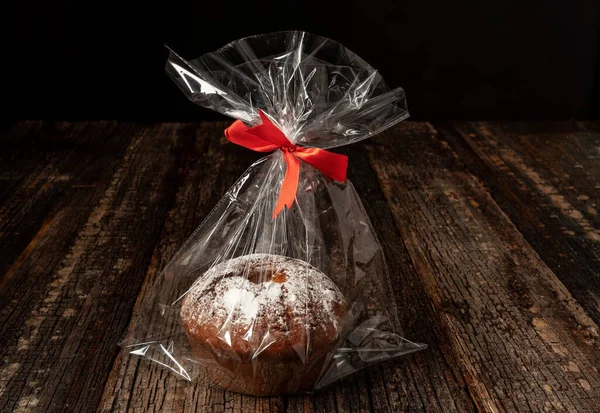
(263, 324)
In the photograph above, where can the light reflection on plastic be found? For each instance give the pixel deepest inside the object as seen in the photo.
(205, 87)
(181, 371)
(227, 338)
(140, 352)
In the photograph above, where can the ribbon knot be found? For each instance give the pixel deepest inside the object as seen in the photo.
(267, 137)
(291, 148)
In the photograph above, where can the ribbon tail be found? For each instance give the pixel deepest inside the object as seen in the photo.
(332, 164)
(289, 186)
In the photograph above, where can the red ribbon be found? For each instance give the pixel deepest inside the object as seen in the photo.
(267, 137)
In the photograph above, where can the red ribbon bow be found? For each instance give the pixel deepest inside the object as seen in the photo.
(267, 137)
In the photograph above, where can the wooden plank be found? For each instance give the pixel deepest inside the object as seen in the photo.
(428, 381)
(78, 281)
(14, 167)
(590, 125)
(521, 340)
(504, 333)
(137, 385)
(546, 177)
(38, 163)
(49, 197)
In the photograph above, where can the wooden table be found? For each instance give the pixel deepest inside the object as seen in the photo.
(491, 230)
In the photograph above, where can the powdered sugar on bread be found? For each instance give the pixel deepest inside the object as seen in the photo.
(271, 290)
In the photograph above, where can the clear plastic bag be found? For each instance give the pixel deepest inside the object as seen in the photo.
(268, 305)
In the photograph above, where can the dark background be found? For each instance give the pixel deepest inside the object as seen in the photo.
(494, 59)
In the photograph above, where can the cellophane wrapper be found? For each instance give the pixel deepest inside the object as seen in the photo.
(319, 94)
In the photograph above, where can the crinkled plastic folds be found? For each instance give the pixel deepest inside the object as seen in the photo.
(319, 94)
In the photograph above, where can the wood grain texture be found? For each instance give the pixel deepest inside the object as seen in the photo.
(520, 338)
(69, 298)
(38, 163)
(136, 385)
(546, 177)
(488, 229)
(430, 380)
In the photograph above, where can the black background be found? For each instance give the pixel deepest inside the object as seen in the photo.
(494, 59)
